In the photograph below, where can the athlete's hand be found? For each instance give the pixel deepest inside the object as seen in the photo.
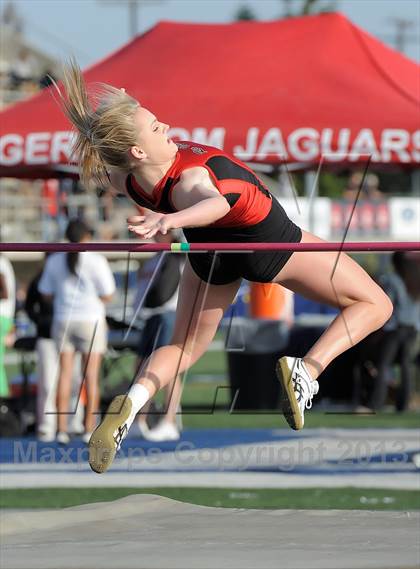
(148, 225)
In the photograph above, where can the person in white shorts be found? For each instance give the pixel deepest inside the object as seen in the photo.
(41, 314)
(79, 284)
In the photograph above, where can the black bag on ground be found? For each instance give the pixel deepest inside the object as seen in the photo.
(10, 425)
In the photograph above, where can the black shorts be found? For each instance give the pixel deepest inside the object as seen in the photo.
(261, 266)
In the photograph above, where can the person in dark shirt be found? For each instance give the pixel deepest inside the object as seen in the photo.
(398, 336)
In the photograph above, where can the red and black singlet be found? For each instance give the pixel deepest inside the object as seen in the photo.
(249, 199)
(254, 216)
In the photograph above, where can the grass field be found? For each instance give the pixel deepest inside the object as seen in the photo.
(206, 402)
(307, 498)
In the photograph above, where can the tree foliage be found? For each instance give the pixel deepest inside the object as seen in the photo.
(244, 14)
(305, 7)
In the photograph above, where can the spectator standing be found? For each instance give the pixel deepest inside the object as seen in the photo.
(352, 187)
(7, 313)
(399, 333)
(41, 313)
(370, 189)
(79, 284)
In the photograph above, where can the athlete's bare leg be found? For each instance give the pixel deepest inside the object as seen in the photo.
(173, 393)
(199, 311)
(364, 307)
(64, 389)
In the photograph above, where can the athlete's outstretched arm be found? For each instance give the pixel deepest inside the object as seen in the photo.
(202, 213)
(208, 207)
(198, 203)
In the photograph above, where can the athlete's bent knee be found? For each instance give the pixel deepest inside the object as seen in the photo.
(388, 307)
(385, 309)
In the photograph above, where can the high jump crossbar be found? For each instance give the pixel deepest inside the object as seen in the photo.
(130, 247)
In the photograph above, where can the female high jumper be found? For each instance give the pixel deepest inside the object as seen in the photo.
(213, 197)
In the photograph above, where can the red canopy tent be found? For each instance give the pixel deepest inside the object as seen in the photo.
(291, 90)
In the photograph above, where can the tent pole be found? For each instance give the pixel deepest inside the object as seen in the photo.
(311, 193)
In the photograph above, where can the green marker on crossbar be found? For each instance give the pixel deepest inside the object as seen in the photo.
(180, 247)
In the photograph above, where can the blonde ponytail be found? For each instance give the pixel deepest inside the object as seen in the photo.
(104, 119)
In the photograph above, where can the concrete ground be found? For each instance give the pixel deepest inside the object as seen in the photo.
(146, 531)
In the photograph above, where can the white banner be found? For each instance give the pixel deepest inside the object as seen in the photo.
(305, 144)
(310, 215)
(405, 218)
